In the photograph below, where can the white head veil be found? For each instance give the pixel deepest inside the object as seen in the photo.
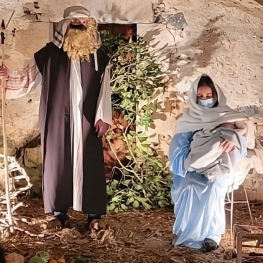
(196, 117)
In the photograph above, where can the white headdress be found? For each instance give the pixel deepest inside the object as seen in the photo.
(69, 13)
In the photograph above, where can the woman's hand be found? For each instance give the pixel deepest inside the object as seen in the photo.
(227, 146)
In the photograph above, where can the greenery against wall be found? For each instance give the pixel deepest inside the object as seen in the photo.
(135, 77)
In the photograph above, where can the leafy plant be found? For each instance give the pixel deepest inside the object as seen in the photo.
(135, 77)
(76, 259)
(40, 257)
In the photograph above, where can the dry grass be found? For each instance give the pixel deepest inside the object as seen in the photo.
(142, 237)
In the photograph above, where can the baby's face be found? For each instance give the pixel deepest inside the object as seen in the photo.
(229, 125)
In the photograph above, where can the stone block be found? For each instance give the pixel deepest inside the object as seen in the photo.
(33, 158)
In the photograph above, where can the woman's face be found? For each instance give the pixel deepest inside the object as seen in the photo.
(205, 97)
(204, 93)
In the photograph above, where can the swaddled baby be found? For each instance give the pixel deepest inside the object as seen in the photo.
(207, 155)
(228, 125)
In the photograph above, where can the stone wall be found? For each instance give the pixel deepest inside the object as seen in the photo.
(222, 40)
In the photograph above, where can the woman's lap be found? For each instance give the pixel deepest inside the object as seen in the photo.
(199, 208)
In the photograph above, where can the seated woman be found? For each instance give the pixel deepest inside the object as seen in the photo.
(199, 202)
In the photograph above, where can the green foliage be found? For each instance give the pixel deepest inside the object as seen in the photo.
(109, 41)
(77, 259)
(40, 257)
(134, 80)
(153, 192)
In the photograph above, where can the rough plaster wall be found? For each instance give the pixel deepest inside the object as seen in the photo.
(22, 115)
(30, 36)
(222, 40)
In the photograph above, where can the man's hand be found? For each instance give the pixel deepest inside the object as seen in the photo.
(101, 128)
(227, 146)
(3, 72)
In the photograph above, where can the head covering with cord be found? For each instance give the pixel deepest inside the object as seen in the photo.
(61, 28)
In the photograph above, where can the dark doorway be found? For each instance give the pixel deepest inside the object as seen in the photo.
(127, 31)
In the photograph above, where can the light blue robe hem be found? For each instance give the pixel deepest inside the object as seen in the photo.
(198, 203)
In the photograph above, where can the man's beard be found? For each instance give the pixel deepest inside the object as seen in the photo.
(81, 41)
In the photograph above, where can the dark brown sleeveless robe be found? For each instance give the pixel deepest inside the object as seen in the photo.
(54, 65)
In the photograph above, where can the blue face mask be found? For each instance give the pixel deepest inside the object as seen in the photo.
(208, 103)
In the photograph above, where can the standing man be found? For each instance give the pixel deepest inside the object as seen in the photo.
(75, 112)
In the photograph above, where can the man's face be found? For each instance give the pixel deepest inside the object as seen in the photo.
(75, 22)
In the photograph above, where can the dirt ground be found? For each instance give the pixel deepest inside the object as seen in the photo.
(138, 236)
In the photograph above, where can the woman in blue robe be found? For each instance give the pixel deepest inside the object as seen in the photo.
(198, 202)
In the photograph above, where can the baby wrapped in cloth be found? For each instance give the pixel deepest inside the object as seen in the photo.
(207, 156)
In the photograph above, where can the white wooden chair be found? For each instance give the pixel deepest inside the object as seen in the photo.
(230, 201)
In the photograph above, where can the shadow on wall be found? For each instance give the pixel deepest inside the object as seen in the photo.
(114, 14)
(170, 105)
(150, 35)
(204, 46)
(259, 1)
(185, 59)
(158, 42)
(250, 110)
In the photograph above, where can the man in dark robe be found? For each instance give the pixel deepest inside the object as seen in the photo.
(75, 112)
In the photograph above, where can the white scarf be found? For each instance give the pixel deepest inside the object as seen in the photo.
(196, 117)
(76, 106)
(62, 26)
